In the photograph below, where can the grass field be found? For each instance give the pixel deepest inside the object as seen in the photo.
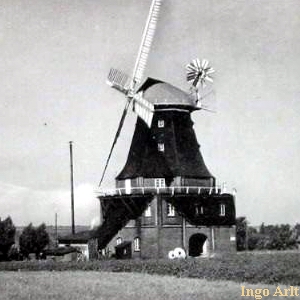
(217, 278)
(88, 285)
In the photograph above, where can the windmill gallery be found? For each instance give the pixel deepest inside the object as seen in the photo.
(165, 202)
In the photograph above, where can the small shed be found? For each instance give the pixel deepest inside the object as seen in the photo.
(123, 250)
(79, 240)
(66, 253)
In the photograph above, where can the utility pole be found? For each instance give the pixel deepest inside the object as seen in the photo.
(56, 233)
(72, 187)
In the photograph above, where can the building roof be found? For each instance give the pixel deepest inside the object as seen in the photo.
(81, 237)
(60, 251)
(161, 93)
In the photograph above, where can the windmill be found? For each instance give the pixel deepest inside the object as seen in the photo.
(164, 165)
(198, 72)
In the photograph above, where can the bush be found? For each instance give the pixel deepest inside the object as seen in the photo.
(271, 268)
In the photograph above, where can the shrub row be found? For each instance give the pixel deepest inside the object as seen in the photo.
(271, 268)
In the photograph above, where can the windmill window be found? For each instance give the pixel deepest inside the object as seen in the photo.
(137, 244)
(140, 181)
(161, 123)
(199, 210)
(222, 210)
(159, 182)
(161, 147)
(148, 212)
(119, 240)
(170, 210)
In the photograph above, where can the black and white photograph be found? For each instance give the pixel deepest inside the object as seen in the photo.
(149, 149)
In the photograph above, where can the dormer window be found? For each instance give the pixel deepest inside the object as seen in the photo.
(161, 123)
(161, 147)
(222, 210)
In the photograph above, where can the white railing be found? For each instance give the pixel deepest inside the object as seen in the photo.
(160, 190)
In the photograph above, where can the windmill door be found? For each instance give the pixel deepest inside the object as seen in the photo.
(127, 186)
(198, 245)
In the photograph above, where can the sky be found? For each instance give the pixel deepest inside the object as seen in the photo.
(55, 58)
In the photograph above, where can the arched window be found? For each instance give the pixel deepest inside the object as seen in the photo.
(148, 211)
(119, 240)
(137, 244)
(170, 210)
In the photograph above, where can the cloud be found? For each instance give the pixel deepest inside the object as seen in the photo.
(26, 205)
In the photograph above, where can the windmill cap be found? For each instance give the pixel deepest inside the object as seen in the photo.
(160, 93)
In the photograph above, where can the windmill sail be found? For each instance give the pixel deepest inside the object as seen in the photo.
(115, 139)
(143, 108)
(118, 80)
(145, 46)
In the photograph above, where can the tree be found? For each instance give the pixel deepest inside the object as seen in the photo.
(27, 240)
(33, 240)
(253, 238)
(42, 239)
(296, 231)
(276, 237)
(7, 237)
(262, 229)
(241, 233)
(286, 238)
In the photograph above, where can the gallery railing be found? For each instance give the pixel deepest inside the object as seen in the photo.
(172, 190)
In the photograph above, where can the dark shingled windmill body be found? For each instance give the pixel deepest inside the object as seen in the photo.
(165, 197)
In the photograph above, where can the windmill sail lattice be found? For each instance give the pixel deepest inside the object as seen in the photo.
(146, 43)
(143, 108)
(118, 80)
